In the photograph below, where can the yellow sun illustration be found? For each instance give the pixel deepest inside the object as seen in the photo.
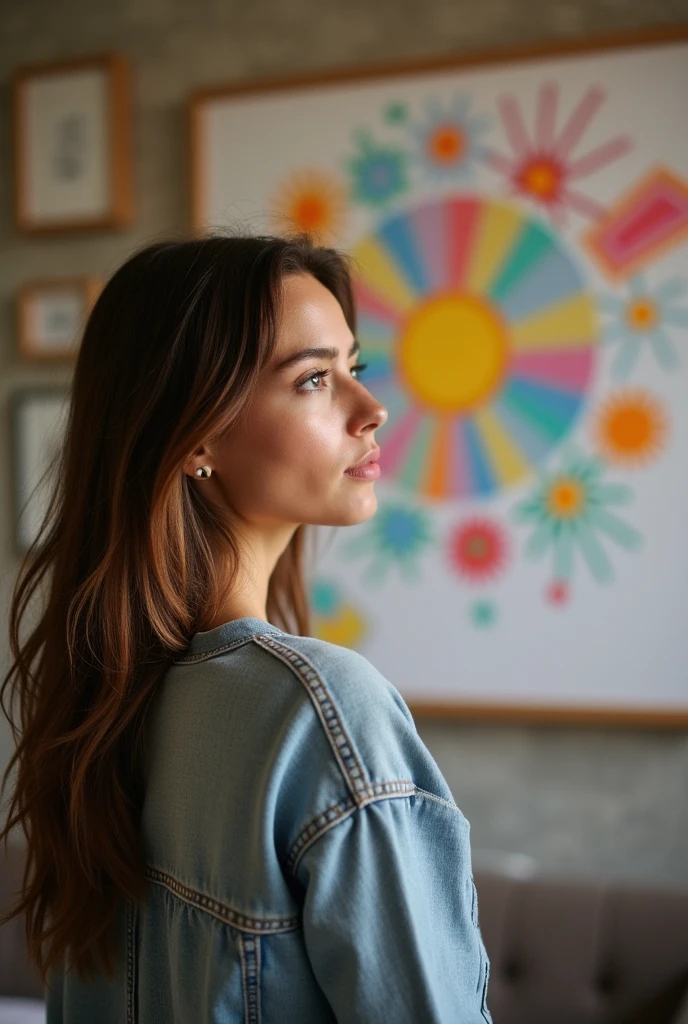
(311, 201)
(631, 427)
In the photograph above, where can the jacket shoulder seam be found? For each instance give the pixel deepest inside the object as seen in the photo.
(343, 809)
(321, 697)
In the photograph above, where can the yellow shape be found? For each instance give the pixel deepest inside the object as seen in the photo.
(380, 274)
(453, 352)
(346, 629)
(505, 458)
(495, 236)
(569, 322)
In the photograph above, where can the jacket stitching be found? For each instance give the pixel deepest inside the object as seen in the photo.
(131, 964)
(249, 950)
(317, 689)
(187, 659)
(221, 910)
(338, 812)
(440, 799)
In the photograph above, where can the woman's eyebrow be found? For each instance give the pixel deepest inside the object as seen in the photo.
(315, 353)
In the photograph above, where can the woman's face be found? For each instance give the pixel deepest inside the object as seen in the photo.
(285, 463)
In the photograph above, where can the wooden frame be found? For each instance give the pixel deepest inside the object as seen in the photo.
(517, 54)
(502, 710)
(93, 113)
(39, 339)
(35, 414)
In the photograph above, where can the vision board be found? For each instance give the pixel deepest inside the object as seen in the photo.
(518, 225)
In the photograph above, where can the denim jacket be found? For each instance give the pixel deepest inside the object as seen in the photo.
(306, 860)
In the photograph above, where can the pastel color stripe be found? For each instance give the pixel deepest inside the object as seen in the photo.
(554, 276)
(461, 483)
(567, 368)
(531, 246)
(506, 460)
(391, 286)
(416, 457)
(463, 219)
(559, 407)
(430, 226)
(531, 437)
(372, 305)
(494, 239)
(397, 442)
(399, 238)
(436, 484)
(556, 325)
(481, 475)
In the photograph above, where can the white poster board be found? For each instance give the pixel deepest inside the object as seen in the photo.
(519, 228)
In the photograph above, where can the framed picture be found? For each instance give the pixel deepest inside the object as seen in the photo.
(517, 227)
(38, 419)
(51, 316)
(72, 144)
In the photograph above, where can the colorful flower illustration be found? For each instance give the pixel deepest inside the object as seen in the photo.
(449, 140)
(396, 112)
(480, 338)
(335, 619)
(631, 428)
(478, 549)
(397, 534)
(558, 593)
(483, 613)
(310, 201)
(379, 172)
(570, 509)
(543, 169)
(642, 319)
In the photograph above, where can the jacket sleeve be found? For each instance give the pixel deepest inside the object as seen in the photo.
(390, 913)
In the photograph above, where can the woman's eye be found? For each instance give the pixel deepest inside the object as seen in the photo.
(324, 373)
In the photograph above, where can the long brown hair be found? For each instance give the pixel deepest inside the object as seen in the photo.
(126, 562)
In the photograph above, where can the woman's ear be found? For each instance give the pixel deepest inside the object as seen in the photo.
(201, 457)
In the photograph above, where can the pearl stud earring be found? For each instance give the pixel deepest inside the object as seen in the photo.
(203, 471)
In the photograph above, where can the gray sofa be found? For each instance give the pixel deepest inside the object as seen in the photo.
(562, 951)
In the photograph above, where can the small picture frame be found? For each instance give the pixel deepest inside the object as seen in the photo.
(72, 144)
(51, 314)
(38, 420)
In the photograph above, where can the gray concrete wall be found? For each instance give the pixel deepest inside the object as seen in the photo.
(586, 801)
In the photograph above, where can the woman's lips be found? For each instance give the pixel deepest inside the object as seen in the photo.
(370, 471)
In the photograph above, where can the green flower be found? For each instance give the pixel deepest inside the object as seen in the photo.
(570, 512)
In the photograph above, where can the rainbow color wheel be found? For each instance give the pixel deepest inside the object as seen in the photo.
(480, 340)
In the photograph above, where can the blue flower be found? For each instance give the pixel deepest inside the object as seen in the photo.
(379, 172)
(640, 320)
(449, 140)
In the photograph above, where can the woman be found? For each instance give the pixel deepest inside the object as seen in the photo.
(226, 819)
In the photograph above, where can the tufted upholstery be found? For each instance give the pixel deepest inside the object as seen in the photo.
(561, 951)
(584, 951)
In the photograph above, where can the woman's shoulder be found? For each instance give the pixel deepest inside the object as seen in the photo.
(365, 718)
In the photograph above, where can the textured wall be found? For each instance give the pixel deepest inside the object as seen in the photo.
(612, 802)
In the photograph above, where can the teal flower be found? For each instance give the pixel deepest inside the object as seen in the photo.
(325, 597)
(397, 534)
(570, 511)
(640, 320)
(379, 173)
(449, 141)
(396, 113)
(483, 614)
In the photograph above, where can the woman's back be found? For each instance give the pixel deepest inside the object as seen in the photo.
(306, 860)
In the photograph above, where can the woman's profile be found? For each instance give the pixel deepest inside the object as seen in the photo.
(226, 819)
